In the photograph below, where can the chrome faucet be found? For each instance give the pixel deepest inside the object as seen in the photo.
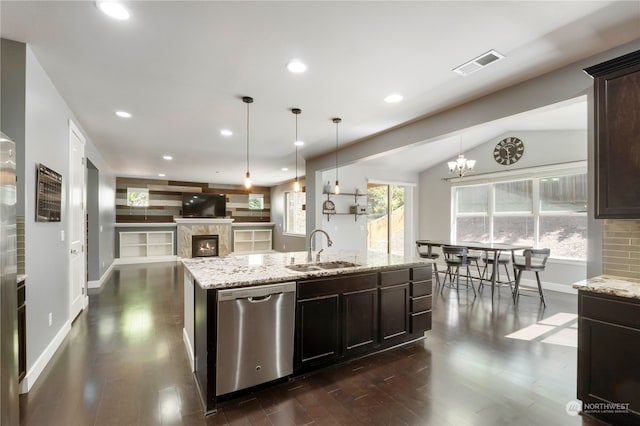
(310, 244)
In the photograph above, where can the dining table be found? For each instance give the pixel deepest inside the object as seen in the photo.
(495, 248)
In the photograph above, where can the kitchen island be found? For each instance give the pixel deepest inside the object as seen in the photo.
(346, 306)
(609, 348)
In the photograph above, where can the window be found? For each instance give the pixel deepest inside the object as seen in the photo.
(563, 215)
(472, 213)
(256, 201)
(295, 221)
(545, 212)
(137, 197)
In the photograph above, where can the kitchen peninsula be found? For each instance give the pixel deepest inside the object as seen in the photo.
(253, 319)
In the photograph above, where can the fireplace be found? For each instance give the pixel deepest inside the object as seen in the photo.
(204, 245)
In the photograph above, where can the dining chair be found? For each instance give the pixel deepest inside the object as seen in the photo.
(489, 259)
(534, 260)
(429, 254)
(455, 257)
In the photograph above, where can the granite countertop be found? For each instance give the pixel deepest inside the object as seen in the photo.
(20, 278)
(609, 284)
(256, 269)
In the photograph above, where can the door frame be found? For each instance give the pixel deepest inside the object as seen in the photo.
(74, 130)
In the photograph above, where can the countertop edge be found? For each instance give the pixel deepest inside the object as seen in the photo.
(628, 288)
(302, 276)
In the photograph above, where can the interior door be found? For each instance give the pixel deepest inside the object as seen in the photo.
(77, 266)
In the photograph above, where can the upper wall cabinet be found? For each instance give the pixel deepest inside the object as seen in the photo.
(617, 138)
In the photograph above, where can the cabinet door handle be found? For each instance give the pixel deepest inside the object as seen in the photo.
(74, 251)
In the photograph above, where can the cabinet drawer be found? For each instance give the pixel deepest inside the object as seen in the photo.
(420, 321)
(615, 311)
(420, 288)
(400, 276)
(422, 273)
(419, 304)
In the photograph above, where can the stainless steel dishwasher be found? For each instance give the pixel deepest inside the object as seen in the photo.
(255, 329)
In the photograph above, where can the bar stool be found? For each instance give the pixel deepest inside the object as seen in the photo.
(430, 255)
(455, 257)
(504, 260)
(534, 260)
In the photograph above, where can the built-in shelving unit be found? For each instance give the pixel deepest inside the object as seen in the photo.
(355, 195)
(146, 245)
(252, 240)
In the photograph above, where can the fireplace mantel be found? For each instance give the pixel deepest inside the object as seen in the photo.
(202, 220)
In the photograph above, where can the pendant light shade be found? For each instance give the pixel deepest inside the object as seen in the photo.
(247, 178)
(337, 187)
(296, 183)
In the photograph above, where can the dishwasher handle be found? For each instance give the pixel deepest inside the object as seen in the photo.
(259, 299)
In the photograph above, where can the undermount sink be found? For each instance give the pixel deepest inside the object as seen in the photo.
(336, 264)
(306, 267)
(303, 267)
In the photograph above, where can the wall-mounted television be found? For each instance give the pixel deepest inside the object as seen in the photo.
(204, 205)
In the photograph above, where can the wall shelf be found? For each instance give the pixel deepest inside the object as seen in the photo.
(356, 195)
(252, 240)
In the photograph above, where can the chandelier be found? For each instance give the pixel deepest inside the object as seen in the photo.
(461, 165)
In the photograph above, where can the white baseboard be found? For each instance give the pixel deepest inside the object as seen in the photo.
(36, 369)
(103, 278)
(152, 259)
(189, 345)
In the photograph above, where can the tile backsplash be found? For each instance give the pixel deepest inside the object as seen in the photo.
(621, 248)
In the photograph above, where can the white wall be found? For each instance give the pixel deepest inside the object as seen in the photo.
(47, 253)
(541, 148)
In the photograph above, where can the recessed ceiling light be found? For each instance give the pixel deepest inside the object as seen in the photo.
(285, 169)
(393, 98)
(225, 132)
(298, 143)
(161, 174)
(113, 9)
(296, 66)
(167, 157)
(123, 114)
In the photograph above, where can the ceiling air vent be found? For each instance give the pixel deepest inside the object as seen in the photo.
(478, 63)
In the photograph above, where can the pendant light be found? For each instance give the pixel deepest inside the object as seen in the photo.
(296, 183)
(247, 178)
(337, 188)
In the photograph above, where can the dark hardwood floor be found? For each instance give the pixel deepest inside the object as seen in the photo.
(124, 363)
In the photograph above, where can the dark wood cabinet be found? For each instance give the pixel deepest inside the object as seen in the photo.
(360, 320)
(608, 354)
(22, 331)
(318, 330)
(336, 317)
(394, 311)
(617, 136)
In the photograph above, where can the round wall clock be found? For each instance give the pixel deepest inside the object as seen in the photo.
(508, 151)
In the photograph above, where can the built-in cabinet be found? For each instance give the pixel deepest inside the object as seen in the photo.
(617, 137)
(252, 240)
(608, 354)
(146, 244)
(342, 317)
